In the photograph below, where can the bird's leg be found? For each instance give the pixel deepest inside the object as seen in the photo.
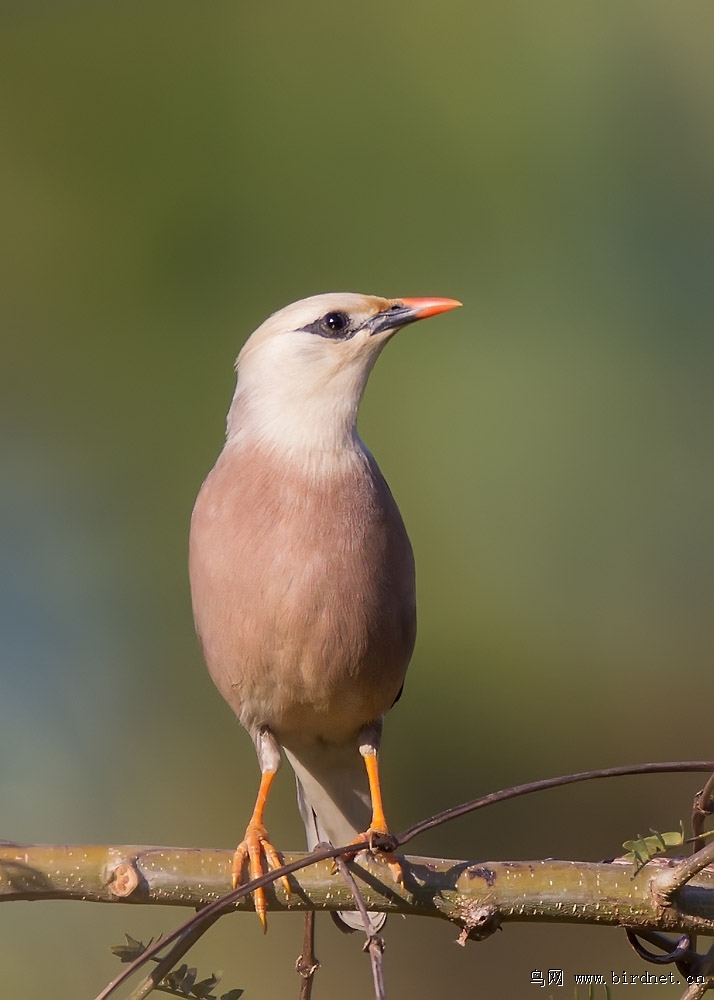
(378, 823)
(369, 748)
(255, 844)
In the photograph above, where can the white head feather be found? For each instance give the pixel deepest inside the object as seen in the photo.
(299, 391)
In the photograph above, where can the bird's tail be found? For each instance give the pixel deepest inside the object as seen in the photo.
(334, 802)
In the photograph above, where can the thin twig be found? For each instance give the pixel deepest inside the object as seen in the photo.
(663, 767)
(374, 944)
(706, 964)
(207, 916)
(170, 960)
(703, 972)
(673, 951)
(225, 903)
(307, 962)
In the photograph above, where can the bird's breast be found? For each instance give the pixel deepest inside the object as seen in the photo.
(303, 592)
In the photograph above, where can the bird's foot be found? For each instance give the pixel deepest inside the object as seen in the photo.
(254, 845)
(392, 860)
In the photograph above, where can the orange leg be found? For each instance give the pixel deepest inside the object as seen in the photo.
(253, 846)
(378, 822)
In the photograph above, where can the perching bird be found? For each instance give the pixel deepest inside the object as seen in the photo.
(302, 574)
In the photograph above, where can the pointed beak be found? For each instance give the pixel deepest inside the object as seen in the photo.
(403, 311)
(423, 308)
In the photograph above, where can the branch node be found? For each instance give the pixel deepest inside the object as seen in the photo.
(374, 942)
(479, 922)
(670, 880)
(124, 879)
(304, 969)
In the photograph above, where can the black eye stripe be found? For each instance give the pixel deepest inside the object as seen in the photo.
(334, 325)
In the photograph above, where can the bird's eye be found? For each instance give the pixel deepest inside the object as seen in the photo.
(336, 322)
(333, 325)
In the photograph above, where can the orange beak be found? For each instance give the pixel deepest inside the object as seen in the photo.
(423, 308)
(404, 311)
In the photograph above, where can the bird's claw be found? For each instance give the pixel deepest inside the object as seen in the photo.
(369, 839)
(254, 845)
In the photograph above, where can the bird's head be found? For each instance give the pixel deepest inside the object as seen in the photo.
(302, 374)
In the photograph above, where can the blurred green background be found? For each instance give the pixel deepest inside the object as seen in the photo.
(173, 172)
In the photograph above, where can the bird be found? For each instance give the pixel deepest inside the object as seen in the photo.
(302, 573)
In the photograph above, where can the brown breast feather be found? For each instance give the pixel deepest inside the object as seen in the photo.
(303, 593)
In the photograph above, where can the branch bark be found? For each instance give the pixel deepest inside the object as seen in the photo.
(477, 896)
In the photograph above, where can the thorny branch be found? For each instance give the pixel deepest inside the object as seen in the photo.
(470, 894)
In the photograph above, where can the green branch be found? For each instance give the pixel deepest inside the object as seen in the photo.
(476, 896)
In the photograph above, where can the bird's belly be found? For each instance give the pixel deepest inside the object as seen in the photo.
(333, 720)
(307, 620)
(308, 663)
